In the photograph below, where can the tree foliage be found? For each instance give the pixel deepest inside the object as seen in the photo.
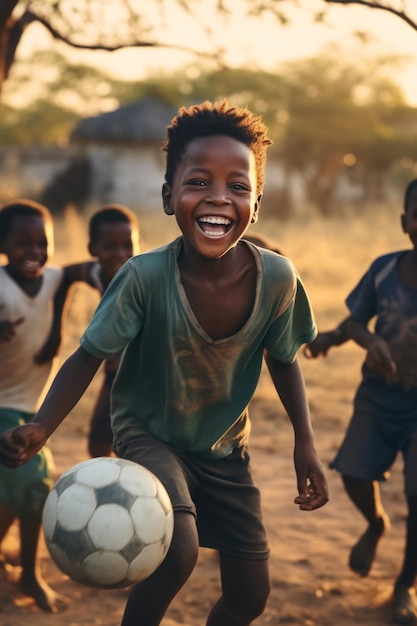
(400, 9)
(107, 25)
(90, 25)
(330, 117)
(344, 118)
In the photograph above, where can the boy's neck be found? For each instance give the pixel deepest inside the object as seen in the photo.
(221, 292)
(30, 286)
(203, 268)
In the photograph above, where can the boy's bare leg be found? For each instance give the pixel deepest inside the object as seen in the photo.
(31, 581)
(404, 609)
(7, 518)
(366, 496)
(149, 600)
(245, 590)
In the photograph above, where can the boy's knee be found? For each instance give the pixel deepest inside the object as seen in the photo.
(183, 557)
(248, 606)
(183, 552)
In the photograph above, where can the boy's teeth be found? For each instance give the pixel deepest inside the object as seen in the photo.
(216, 220)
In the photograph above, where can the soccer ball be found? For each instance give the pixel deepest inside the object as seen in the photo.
(108, 523)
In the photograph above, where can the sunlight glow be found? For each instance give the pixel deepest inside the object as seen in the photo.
(247, 42)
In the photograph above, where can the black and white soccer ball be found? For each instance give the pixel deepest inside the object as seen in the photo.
(108, 523)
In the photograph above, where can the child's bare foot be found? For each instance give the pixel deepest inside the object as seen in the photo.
(45, 597)
(363, 552)
(403, 607)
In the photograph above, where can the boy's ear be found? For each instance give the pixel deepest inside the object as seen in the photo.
(91, 249)
(166, 199)
(256, 211)
(404, 223)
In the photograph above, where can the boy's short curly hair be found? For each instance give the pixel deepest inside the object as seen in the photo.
(111, 213)
(216, 118)
(21, 208)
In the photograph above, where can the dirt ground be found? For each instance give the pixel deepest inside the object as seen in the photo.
(312, 584)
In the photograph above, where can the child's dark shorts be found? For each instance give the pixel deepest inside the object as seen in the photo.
(219, 492)
(373, 440)
(24, 489)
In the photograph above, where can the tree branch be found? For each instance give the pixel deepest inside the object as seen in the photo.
(6, 10)
(33, 17)
(377, 5)
(12, 35)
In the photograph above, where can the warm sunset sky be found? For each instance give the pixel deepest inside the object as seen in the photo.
(263, 42)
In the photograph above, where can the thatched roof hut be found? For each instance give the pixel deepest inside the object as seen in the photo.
(141, 122)
(123, 148)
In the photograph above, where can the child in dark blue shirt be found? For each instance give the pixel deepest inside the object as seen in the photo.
(384, 420)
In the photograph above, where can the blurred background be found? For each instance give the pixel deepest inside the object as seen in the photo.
(88, 87)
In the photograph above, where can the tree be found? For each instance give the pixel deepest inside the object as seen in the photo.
(9, 37)
(383, 6)
(87, 24)
(341, 118)
(332, 118)
(275, 7)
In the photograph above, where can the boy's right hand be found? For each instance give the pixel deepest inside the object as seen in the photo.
(18, 445)
(379, 358)
(319, 346)
(8, 328)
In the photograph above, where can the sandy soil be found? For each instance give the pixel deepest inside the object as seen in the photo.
(312, 584)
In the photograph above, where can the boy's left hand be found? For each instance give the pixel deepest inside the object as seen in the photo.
(311, 481)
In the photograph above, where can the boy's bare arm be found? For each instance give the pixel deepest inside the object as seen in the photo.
(77, 272)
(51, 345)
(18, 445)
(311, 481)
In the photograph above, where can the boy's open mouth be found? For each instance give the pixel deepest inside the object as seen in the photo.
(214, 226)
(31, 266)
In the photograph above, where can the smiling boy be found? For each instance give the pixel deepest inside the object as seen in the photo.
(27, 289)
(195, 318)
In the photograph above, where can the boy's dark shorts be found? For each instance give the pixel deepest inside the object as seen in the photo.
(219, 492)
(372, 443)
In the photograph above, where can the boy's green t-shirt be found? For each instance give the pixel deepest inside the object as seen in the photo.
(174, 381)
